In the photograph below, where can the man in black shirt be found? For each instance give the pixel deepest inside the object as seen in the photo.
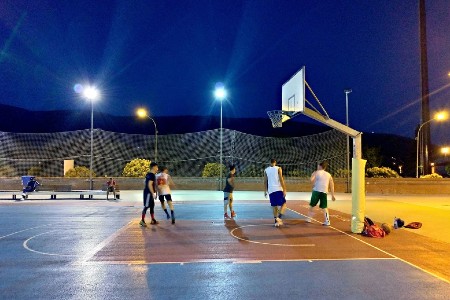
(150, 195)
(228, 194)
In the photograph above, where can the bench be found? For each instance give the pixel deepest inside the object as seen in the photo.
(55, 187)
(53, 194)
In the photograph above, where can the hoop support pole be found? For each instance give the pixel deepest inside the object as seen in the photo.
(358, 168)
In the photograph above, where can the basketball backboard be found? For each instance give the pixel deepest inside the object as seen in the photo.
(293, 93)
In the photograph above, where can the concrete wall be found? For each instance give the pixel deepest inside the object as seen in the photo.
(373, 185)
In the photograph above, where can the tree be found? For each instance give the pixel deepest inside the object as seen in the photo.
(373, 157)
(138, 167)
(447, 169)
(36, 171)
(431, 176)
(79, 171)
(7, 171)
(213, 170)
(252, 171)
(383, 172)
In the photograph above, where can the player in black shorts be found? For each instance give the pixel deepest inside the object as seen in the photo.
(228, 194)
(150, 195)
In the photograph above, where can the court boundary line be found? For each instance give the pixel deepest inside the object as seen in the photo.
(381, 250)
(25, 245)
(101, 245)
(265, 243)
(31, 228)
(234, 261)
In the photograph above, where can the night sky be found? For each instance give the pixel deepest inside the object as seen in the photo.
(168, 55)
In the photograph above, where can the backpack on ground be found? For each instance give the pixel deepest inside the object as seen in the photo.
(372, 230)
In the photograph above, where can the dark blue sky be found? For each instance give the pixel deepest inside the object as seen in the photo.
(167, 56)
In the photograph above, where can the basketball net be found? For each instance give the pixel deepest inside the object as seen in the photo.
(277, 117)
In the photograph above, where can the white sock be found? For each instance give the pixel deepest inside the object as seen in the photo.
(326, 215)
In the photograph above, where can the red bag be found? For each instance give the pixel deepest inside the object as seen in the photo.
(414, 225)
(372, 230)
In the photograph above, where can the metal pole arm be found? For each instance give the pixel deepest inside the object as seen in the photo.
(420, 127)
(330, 122)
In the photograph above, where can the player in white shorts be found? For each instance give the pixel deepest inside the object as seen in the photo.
(163, 181)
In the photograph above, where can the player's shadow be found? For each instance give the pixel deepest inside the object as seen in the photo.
(231, 224)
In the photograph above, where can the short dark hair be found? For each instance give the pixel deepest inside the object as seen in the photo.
(273, 160)
(153, 164)
(232, 167)
(163, 169)
(323, 164)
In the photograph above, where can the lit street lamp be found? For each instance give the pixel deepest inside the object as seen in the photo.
(142, 113)
(220, 94)
(347, 91)
(438, 117)
(445, 151)
(91, 94)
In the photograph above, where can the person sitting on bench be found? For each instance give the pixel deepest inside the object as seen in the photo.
(31, 187)
(111, 187)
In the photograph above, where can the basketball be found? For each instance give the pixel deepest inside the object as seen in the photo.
(386, 228)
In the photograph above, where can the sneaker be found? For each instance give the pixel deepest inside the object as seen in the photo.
(226, 216)
(233, 214)
(326, 223)
(154, 222)
(280, 222)
(308, 220)
(173, 220)
(142, 223)
(276, 224)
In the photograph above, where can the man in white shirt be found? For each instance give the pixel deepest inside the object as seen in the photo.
(322, 182)
(274, 186)
(163, 182)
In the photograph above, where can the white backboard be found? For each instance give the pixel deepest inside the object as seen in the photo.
(293, 93)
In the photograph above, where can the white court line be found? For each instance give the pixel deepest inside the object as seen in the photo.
(101, 245)
(265, 243)
(381, 250)
(233, 261)
(25, 245)
(5, 236)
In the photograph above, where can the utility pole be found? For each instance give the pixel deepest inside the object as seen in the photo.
(425, 136)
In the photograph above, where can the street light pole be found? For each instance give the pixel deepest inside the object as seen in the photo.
(347, 91)
(156, 139)
(220, 93)
(221, 141)
(91, 186)
(439, 117)
(92, 94)
(142, 113)
(417, 147)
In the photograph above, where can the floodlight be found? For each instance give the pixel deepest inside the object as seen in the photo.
(91, 93)
(220, 93)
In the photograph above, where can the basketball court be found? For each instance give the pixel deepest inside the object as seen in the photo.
(96, 249)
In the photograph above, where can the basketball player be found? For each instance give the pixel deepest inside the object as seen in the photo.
(228, 194)
(164, 180)
(274, 186)
(150, 195)
(322, 182)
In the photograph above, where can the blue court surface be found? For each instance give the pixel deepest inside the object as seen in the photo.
(94, 249)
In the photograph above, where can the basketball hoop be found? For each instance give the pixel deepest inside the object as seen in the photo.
(276, 116)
